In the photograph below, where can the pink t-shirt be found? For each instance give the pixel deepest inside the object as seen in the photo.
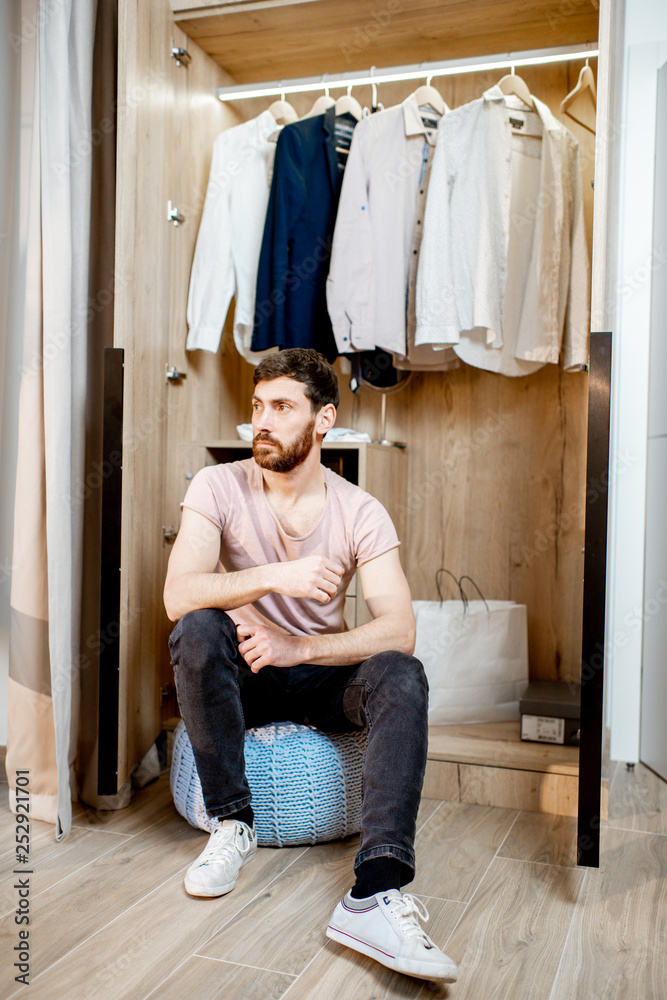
(353, 528)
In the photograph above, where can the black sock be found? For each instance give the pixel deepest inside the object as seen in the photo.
(379, 874)
(245, 815)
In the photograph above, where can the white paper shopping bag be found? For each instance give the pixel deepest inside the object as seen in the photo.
(475, 654)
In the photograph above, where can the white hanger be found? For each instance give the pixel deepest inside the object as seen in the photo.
(580, 103)
(283, 112)
(348, 105)
(374, 90)
(428, 95)
(322, 103)
(513, 84)
(375, 104)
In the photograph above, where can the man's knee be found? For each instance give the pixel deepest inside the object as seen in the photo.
(200, 630)
(405, 673)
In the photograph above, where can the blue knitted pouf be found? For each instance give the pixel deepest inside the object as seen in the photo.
(306, 785)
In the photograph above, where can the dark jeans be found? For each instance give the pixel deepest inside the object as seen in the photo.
(220, 698)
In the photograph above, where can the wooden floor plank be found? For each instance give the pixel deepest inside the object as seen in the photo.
(511, 936)
(142, 945)
(551, 840)
(51, 861)
(143, 935)
(208, 979)
(89, 898)
(426, 809)
(638, 800)
(455, 848)
(338, 973)
(616, 947)
(293, 912)
(38, 828)
(40, 833)
(148, 805)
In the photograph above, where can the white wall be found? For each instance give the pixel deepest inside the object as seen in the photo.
(639, 263)
(10, 18)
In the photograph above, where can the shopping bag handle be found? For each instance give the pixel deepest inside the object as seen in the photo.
(464, 599)
(459, 583)
(466, 577)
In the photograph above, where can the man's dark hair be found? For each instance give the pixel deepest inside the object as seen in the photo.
(306, 366)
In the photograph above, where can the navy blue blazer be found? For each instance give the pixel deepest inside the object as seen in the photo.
(290, 305)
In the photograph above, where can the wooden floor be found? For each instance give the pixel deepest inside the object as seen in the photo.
(111, 919)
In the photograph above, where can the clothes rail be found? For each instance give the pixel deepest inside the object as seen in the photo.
(417, 71)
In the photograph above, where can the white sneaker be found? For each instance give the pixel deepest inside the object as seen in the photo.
(231, 846)
(386, 928)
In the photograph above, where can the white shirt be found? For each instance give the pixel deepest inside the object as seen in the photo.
(230, 236)
(374, 237)
(462, 281)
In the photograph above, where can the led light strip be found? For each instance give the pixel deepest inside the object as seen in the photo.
(396, 74)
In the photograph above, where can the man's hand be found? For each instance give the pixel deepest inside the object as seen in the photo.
(264, 646)
(315, 577)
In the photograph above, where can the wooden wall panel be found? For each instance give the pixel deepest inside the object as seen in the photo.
(528, 790)
(441, 781)
(168, 118)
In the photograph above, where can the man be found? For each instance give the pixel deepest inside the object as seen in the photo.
(257, 581)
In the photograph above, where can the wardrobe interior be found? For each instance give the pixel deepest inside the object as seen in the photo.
(495, 465)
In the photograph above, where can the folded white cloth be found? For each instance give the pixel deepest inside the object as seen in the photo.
(244, 431)
(346, 434)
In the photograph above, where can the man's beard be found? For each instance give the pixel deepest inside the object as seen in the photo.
(284, 459)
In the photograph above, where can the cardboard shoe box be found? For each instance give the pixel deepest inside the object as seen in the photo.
(550, 712)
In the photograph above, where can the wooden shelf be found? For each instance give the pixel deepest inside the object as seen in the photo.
(499, 744)
(256, 40)
(489, 764)
(342, 445)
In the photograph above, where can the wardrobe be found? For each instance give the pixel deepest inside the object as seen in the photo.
(494, 468)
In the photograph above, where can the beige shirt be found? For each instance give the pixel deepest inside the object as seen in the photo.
(462, 280)
(473, 347)
(378, 233)
(353, 528)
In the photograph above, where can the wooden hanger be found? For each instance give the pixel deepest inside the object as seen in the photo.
(580, 103)
(513, 84)
(283, 112)
(428, 95)
(348, 105)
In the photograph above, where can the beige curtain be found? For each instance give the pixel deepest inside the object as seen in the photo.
(12, 282)
(56, 46)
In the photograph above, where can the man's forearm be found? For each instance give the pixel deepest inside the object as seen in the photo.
(342, 648)
(227, 591)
